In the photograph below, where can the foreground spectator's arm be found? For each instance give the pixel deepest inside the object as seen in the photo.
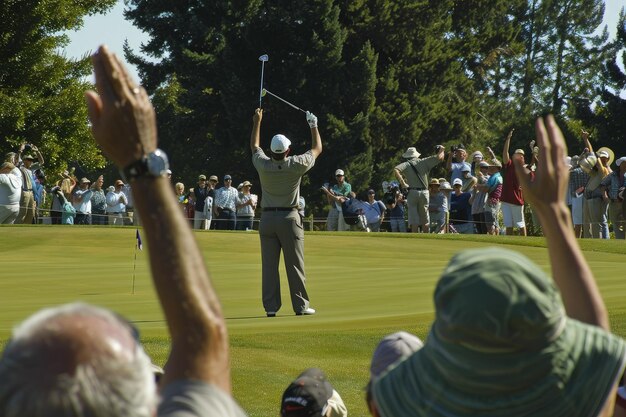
(570, 270)
(124, 125)
(547, 195)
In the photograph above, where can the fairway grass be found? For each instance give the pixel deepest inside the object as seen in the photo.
(363, 286)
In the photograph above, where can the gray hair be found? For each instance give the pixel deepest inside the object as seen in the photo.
(102, 386)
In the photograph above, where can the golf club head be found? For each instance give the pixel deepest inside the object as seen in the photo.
(264, 58)
(263, 92)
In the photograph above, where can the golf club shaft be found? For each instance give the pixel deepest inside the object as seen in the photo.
(284, 101)
(261, 89)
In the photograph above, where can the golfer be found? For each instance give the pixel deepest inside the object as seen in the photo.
(281, 225)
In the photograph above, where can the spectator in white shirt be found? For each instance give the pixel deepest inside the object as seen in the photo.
(116, 204)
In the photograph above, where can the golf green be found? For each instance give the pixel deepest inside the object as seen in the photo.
(362, 285)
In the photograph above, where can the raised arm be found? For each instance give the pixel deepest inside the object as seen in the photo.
(316, 140)
(255, 136)
(124, 125)
(547, 196)
(505, 148)
(585, 136)
(449, 161)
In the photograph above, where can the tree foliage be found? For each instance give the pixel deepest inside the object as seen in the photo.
(381, 76)
(41, 91)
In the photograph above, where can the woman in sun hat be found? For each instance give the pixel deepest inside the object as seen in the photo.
(504, 342)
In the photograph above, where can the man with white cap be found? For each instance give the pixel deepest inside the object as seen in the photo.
(336, 195)
(512, 197)
(281, 228)
(413, 175)
(82, 202)
(611, 186)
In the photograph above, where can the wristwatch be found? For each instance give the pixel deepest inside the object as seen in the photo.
(155, 164)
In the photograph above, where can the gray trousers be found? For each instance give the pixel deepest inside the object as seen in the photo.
(617, 218)
(283, 231)
(593, 209)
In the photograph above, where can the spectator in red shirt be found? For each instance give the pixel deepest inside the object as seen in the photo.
(512, 198)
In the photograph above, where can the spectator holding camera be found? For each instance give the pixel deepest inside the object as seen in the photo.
(456, 162)
(396, 206)
(413, 176)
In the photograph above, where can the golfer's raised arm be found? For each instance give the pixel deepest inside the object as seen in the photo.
(124, 125)
(316, 140)
(255, 136)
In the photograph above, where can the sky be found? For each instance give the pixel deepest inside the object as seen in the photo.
(112, 29)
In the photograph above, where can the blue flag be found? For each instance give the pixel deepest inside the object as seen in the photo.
(139, 245)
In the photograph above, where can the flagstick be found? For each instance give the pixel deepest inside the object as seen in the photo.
(134, 269)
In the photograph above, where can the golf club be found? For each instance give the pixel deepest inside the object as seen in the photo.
(265, 91)
(263, 58)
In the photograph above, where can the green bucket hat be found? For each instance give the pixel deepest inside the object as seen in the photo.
(501, 344)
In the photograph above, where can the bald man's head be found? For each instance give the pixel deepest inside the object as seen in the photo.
(72, 360)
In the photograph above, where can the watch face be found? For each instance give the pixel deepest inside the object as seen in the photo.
(158, 163)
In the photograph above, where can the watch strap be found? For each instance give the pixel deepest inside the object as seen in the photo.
(137, 169)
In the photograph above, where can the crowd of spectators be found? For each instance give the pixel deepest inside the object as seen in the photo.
(478, 197)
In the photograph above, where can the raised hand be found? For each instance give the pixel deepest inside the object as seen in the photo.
(552, 175)
(122, 118)
(311, 119)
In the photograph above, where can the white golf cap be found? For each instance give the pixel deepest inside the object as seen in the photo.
(477, 154)
(603, 154)
(457, 181)
(620, 160)
(280, 144)
(339, 172)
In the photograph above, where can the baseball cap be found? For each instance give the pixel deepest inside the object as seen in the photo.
(227, 177)
(339, 172)
(280, 144)
(520, 151)
(213, 178)
(393, 348)
(477, 154)
(466, 168)
(483, 164)
(246, 183)
(119, 182)
(32, 158)
(307, 396)
(603, 154)
(84, 180)
(201, 177)
(620, 160)
(445, 186)
(457, 181)
(168, 171)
